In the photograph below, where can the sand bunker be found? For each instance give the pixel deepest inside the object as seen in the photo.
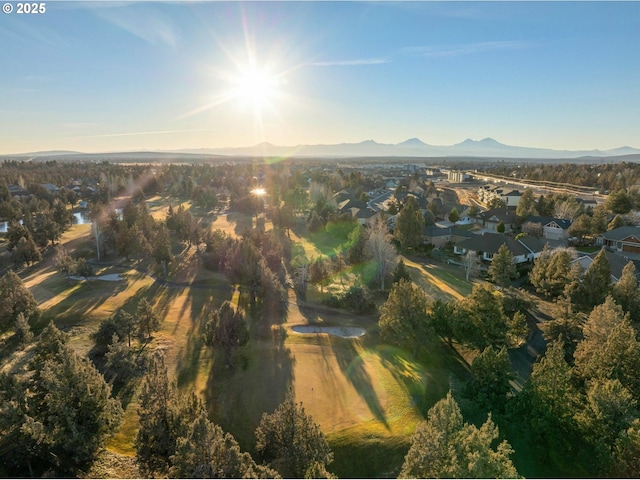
(344, 332)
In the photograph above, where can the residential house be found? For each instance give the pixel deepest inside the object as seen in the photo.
(621, 239)
(381, 202)
(440, 236)
(18, 191)
(512, 198)
(616, 263)
(50, 187)
(490, 219)
(488, 193)
(364, 216)
(487, 245)
(547, 227)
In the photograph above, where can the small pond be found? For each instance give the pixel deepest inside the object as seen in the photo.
(344, 332)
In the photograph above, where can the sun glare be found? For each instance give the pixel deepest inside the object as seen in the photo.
(255, 87)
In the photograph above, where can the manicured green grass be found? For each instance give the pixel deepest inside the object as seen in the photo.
(588, 249)
(457, 282)
(334, 237)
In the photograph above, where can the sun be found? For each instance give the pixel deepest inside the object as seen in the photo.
(255, 87)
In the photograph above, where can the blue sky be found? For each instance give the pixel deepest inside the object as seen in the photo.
(108, 76)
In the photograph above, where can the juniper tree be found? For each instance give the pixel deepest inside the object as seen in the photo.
(503, 268)
(205, 451)
(444, 446)
(403, 317)
(227, 329)
(290, 441)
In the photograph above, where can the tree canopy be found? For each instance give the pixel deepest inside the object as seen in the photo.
(290, 441)
(403, 317)
(444, 446)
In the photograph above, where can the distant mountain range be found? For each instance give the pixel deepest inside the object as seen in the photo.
(413, 147)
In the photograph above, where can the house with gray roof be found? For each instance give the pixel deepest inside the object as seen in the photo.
(616, 261)
(440, 236)
(487, 245)
(622, 239)
(490, 219)
(547, 227)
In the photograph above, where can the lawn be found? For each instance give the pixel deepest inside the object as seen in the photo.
(333, 238)
(367, 396)
(439, 281)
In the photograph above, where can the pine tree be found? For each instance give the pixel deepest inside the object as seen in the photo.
(147, 319)
(23, 331)
(164, 417)
(409, 223)
(227, 329)
(626, 292)
(444, 446)
(503, 268)
(290, 441)
(15, 298)
(595, 284)
(205, 451)
(404, 318)
(492, 375)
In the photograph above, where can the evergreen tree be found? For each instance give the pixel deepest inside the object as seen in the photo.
(147, 319)
(565, 326)
(290, 441)
(401, 272)
(454, 216)
(626, 291)
(205, 451)
(162, 249)
(609, 411)
(492, 375)
(549, 401)
(444, 446)
(627, 452)
(527, 204)
(581, 227)
(609, 349)
(595, 284)
(15, 298)
(164, 417)
(503, 268)
(616, 222)
(62, 414)
(599, 220)
(480, 320)
(227, 329)
(409, 223)
(23, 331)
(403, 317)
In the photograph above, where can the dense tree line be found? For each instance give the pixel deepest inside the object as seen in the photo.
(608, 176)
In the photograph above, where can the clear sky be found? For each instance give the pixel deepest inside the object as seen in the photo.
(107, 76)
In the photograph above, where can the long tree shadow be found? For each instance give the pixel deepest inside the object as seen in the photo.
(203, 302)
(263, 374)
(352, 365)
(72, 310)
